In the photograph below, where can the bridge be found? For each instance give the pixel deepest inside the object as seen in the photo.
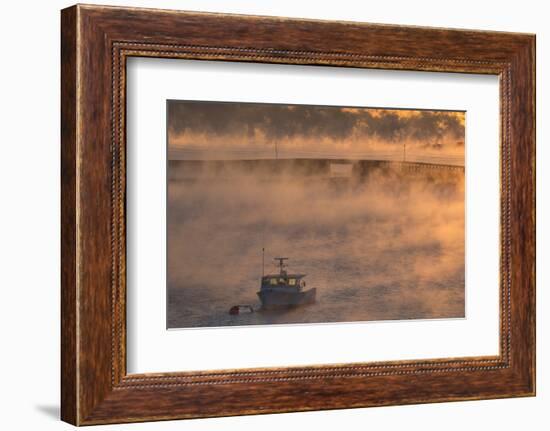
(310, 168)
(420, 166)
(258, 153)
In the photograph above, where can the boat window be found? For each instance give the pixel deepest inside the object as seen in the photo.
(272, 281)
(292, 281)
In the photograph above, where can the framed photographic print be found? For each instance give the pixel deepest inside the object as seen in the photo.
(268, 215)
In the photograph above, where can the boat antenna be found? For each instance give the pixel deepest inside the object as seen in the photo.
(263, 261)
(263, 249)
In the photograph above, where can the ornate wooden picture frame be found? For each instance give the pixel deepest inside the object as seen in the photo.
(96, 41)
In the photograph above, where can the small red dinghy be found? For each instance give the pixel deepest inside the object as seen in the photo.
(240, 309)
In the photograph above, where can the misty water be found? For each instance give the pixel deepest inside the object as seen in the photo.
(378, 241)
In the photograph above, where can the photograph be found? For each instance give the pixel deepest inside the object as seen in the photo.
(307, 214)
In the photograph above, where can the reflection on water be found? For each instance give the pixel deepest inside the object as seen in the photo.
(378, 241)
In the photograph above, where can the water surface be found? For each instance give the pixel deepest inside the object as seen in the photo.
(379, 242)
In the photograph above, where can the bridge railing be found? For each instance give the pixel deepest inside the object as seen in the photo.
(200, 153)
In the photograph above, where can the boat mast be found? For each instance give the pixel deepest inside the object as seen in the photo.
(281, 264)
(263, 261)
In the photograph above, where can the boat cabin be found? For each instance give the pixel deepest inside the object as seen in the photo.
(283, 280)
(284, 290)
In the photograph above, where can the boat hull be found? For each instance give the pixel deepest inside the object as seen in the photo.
(276, 298)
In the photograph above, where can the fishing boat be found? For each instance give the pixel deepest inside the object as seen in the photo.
(284, 290)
